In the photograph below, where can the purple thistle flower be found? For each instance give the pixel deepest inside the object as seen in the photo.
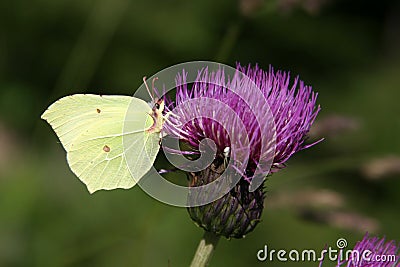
(257, 119)
(372, 252)
(293, 108)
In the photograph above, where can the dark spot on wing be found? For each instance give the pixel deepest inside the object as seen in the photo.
(106, 148)
(98, 110)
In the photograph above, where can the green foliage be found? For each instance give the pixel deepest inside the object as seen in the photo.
(49, 49)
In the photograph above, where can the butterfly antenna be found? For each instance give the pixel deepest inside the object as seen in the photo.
(148, 89)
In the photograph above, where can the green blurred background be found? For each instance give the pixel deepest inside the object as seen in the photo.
(347, 185)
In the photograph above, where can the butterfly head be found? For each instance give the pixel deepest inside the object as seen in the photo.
(158, 105)
(157, 116)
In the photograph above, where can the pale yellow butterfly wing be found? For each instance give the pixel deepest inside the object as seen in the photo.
(99, 137)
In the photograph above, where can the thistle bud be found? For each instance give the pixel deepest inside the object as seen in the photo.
(254, 118)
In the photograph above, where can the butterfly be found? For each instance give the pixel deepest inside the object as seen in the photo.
(111, 140)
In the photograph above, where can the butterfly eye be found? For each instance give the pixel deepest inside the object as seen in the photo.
(157, 105)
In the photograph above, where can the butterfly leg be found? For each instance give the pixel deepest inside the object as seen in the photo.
(169, 114)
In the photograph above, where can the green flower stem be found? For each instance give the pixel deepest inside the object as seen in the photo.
(205, 249)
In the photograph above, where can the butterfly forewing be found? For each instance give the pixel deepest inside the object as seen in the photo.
(93, 130)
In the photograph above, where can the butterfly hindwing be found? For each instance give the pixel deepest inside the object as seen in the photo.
(96, 130)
